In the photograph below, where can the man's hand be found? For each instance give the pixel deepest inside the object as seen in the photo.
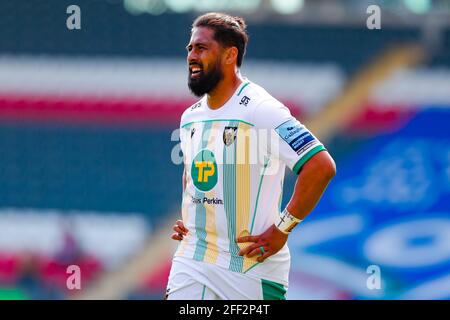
(272, 240)
(180, 231)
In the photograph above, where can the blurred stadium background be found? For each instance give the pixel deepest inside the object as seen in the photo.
(86, 135)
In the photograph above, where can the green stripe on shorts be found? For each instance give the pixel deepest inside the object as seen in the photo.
(273, 290)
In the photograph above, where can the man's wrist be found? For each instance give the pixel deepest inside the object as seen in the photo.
(286, 222)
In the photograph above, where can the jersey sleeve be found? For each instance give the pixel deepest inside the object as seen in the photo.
(290, 141)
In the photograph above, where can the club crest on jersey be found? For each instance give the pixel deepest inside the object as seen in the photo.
(229, 135)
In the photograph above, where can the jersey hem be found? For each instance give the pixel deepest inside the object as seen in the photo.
(252, 272)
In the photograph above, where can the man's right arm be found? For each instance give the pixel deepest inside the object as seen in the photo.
(179, 228)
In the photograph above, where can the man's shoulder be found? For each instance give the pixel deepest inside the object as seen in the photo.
(268, 111)
(257, 95)
(190, 112)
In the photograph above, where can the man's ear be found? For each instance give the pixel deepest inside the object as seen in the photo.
(231, 54)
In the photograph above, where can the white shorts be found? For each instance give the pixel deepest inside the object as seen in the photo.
(196, 280)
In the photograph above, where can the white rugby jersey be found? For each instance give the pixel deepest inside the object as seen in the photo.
(235, 159)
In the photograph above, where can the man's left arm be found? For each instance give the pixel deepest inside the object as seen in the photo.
(312, 181)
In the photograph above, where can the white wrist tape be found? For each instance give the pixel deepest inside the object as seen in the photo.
(287, 222)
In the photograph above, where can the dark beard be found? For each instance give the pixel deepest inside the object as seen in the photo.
(207, 81)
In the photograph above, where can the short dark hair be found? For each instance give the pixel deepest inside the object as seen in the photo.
(229, 31)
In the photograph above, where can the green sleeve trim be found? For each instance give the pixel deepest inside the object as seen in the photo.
(306, 157)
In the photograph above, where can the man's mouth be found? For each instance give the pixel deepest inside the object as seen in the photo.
(195, 71)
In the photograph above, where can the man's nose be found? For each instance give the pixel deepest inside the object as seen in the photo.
(192, 56)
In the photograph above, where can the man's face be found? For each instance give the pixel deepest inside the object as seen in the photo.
(204, 61)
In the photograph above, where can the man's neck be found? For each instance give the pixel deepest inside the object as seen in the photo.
(223, 91)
